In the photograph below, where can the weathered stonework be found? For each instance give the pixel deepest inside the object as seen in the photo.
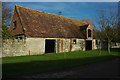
(14, 48)
(36, 46)
(95, 46)
(79, 46)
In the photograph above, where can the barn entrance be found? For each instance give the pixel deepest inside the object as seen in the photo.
(88, 45)
(49, 46)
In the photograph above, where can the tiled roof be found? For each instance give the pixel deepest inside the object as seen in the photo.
(42, 24)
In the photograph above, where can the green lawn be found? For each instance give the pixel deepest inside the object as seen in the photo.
(41, 63)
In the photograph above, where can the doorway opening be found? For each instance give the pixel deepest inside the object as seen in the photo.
(49, 46)
(88, 45)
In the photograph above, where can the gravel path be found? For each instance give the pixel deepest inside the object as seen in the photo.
(106, 69)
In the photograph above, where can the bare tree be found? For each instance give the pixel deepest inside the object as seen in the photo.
(6, 16)
(88, 20)
(107, 23)
(6, 13)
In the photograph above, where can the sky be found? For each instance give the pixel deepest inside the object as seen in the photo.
(75, 10)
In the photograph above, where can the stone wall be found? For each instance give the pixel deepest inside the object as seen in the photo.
(115, 45)
(34, 46)
(79, 46)
(95, 44)
(28, 46)
(66, 45)
(14, 48)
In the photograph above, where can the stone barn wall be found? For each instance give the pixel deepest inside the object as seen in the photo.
(28, 46)
(95, 44)
(35, 46)
(79, 46)
(64, 45)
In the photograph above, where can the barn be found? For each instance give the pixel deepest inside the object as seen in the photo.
(50, 33)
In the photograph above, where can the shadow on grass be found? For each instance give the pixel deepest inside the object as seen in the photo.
(33, 67)
(115, 49)
(112, 49)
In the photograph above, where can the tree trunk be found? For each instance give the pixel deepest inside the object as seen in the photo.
(109, 46)
(100, 47)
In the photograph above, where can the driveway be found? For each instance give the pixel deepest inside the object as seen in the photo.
(106, 69)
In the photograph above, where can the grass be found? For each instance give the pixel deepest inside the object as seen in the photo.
(22, 65)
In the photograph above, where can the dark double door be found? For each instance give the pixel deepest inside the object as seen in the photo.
(49, 46)
(88, 45)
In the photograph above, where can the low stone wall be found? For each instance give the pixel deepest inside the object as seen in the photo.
(14, 48)
(115, 45)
